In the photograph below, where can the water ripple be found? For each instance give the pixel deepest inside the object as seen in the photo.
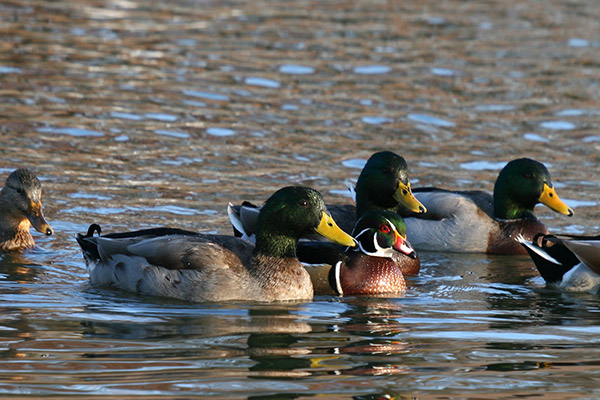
(431, 120)
(443, 71)
(557, 125)
(483, 165)
(205, 95)
(220, 131)
(71, 132)
(175, 134)
(376, 120)
(534, 137)
(358, 163)
(161, 117)
(578, 42)
(128, 116)
(263, 82)
(372, 70)
(10, 70)
(293, 69)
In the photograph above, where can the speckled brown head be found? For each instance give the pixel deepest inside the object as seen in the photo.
(21, 201)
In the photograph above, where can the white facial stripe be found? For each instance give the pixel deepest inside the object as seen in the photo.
(361, 232)
(380, 251)
(390, 222)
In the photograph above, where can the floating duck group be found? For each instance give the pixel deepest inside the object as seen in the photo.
(277, 252)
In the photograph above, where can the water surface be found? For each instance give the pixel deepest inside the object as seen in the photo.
(143, 113)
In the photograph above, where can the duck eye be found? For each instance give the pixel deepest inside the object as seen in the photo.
(384, 229)
(19, 190)
(528, 176)
(303, 203)
(386, 171)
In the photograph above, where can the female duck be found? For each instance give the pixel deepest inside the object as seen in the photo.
(570, 262)
(475, 221)
(374, 267)
(20, 209)
(197, 267)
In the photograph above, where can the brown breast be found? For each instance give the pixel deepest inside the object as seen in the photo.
(503, 239)
(364, 274)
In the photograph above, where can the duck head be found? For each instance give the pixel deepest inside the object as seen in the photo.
(381, 233)
(521, 185)
(289, 214)
(23, 191)
(384, 184)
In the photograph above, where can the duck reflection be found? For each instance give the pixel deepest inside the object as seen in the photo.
(294, 355)
(15, 268)
(159, 318)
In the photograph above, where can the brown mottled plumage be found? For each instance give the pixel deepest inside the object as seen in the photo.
(20, 209)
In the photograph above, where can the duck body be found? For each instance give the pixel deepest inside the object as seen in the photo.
(375, 266)
(572, 263)
(21, 209)
(477, 221)
(197, 267)
(168, 262)
(462, 222)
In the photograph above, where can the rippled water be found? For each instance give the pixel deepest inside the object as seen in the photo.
(146, 113)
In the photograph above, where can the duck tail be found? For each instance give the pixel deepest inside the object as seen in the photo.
(551, 258)
(89, 248)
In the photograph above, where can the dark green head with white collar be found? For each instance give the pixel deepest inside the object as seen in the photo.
(289, 214)
(521, 185)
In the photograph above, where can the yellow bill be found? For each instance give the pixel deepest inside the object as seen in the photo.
(405, 197)
(551, 199)
(329, 230)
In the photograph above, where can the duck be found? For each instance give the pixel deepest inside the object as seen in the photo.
(480, 222)
(169, 262)
(570, 262)
(383, 184)
(375, 266)
(21, 209)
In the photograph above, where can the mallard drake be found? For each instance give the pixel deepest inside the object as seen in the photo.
(375, 266)
(476, 221)
(197, 267)
(383, 184)
(20, 209)
(570, 262)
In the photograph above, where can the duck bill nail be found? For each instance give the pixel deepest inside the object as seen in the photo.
(37, 220)
(403, 246)
(329, 230)
(405, 197)
(551, 199)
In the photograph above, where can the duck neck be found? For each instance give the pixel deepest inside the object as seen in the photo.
(365, 203)
(275, 245)
(14, 235)
(505, 207)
